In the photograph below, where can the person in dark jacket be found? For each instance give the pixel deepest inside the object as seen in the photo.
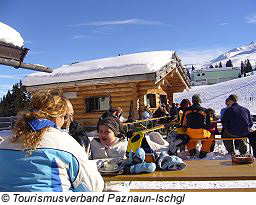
(174, 111)
(236, 122)
(197, 121)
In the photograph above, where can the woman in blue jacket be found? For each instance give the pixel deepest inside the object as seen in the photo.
(41, 157)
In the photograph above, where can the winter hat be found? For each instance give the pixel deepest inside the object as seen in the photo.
(196, 98)
(113, 123)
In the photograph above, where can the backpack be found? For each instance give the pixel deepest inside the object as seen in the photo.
(138, 140)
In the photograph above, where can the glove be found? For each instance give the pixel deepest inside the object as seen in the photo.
(142, 167)
(167, 162)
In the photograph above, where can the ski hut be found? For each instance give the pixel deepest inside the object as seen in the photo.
(128, 81)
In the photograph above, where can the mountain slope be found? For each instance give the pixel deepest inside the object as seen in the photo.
(236, 55)
(213, 96)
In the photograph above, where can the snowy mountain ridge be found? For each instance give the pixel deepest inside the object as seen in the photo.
(236, 55)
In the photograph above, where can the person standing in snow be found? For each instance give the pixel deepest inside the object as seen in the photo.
(197, 121)
(41, 157)
(236, 122)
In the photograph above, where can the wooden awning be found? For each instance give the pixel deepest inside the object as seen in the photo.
(14, 56)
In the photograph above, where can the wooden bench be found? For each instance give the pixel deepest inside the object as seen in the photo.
(153, 128)
(146, 120)
(212, 139)
(197, 170)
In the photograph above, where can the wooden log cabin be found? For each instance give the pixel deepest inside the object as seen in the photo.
(147, 78)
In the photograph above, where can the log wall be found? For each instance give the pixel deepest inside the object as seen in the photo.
(120, 96)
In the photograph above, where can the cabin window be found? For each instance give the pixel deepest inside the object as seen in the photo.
(151, 100)
(163, 99)
(70, 95)
(97, 103)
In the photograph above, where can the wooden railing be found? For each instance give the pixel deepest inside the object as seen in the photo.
(6, 123)
(147, 124)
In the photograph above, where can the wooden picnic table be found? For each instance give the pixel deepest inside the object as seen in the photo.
(196, 170)
(146, 120)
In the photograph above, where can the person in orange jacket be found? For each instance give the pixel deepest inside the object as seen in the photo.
(197, 121)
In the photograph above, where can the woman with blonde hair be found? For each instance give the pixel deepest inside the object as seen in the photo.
(40, 157)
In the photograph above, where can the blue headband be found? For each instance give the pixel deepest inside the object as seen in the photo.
(38, 124)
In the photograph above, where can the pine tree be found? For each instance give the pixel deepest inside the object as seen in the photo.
(193, 67)
(211, 66)
(14, 101)
(248, 66)
(220, 65)
(216, 66)
(229, 63)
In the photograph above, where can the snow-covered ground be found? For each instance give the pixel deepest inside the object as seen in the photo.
(214, 96)
(219, 153)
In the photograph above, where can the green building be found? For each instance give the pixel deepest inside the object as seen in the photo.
(214, 75)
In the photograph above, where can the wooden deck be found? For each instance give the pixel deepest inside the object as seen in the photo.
(197, 170)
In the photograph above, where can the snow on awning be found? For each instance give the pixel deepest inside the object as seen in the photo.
(9, 35)
(126, 65)
(12, 51)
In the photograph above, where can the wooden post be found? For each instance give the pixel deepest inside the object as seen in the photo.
(17, 64)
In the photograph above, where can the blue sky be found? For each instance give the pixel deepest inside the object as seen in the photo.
(60, 32)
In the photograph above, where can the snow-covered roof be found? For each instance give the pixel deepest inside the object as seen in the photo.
(10, 36)
(125, 65)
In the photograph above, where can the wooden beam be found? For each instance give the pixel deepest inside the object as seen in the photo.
(165, 70)
(17, 64)
(167, 82)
